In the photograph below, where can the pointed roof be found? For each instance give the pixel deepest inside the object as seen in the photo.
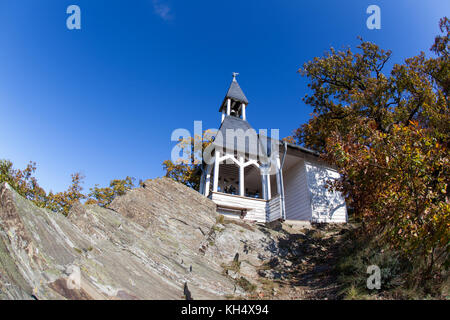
(235, 92)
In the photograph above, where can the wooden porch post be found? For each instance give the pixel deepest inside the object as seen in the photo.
(278, 176)
(281, 188)
(208, 180)
(202, 182)
(216, 171)
(264, 185)
(241, 177)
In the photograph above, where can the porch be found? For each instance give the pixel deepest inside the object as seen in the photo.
(236, 206)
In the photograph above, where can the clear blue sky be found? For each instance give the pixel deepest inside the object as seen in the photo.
(105, 99)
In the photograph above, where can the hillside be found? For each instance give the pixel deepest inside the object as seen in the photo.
(157, 239)
(161, 241)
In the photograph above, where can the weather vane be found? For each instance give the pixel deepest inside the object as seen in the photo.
(235, 74)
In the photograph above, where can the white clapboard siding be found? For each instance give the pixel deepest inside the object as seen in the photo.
(327, 206)
(274, 208)
(296, 193)
(256, 208)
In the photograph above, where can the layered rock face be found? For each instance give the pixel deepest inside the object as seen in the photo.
(152, 243)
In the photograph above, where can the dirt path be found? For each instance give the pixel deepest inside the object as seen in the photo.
(306, 270)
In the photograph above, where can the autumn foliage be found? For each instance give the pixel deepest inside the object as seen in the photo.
(398, 187)
(27, 186)
(104, 196)
(388, 134)
(187, 170)
(63, 201)
(23, 182)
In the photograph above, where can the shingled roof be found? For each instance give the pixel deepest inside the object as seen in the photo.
(235, 92)
(252, 144)
(234, 123)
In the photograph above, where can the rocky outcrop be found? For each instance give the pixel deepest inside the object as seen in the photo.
(153, 243)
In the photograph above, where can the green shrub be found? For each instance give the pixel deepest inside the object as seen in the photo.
(358, 253)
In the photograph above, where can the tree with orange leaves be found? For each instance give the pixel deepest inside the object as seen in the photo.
(27, 186)
(63, 201)
(23, 182)
(187, 170)
(388, 134)
(104, 196)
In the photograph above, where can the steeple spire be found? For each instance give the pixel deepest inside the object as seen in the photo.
(235, 100)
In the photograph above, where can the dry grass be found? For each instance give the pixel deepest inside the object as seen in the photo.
(240, 223)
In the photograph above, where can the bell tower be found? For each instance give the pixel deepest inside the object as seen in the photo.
(236, 168)
(235, 102)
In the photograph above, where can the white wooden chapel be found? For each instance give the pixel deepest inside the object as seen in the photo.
(254, 177)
